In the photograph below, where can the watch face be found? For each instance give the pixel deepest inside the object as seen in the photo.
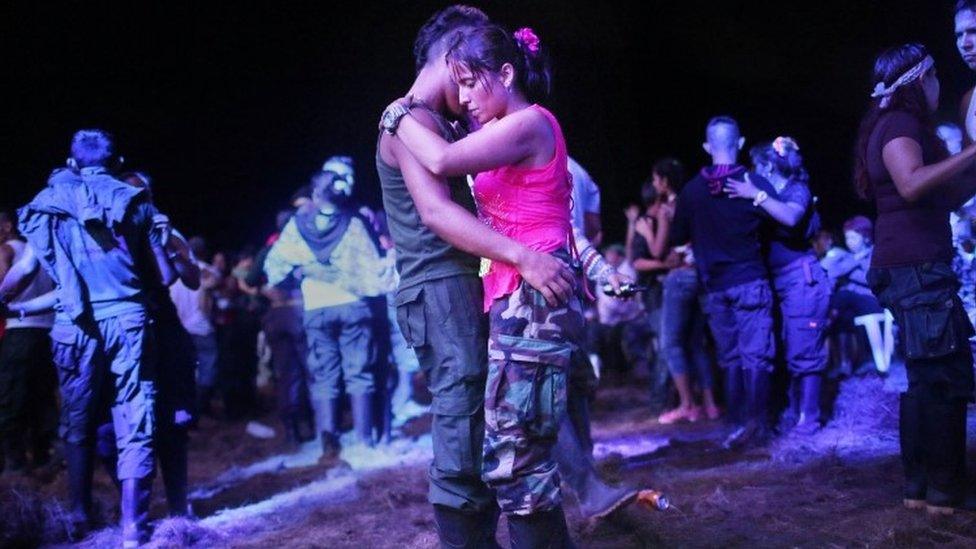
(388, 118)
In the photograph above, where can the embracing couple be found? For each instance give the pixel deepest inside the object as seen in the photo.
(497, 350)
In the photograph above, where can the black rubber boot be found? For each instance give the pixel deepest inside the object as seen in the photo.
(735, 397)
(756, 427)
(847, 343)
(384, 416)
(173, 465)
(79, 460)
(327, 422)
(912, 448)
(944, 433)
(791, 415)
(544, 530)
(809, 421)
(363, 418)
(460, 530)
(136, 494)
(576, 468)
(107, 453)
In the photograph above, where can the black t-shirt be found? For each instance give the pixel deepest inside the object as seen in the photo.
(907, 233)
(724, 232)
(787, 244)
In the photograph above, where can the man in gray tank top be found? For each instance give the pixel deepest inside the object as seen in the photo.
(439, 304)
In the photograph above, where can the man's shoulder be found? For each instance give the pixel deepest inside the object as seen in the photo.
(693, 186)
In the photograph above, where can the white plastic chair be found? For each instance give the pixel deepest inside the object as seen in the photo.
(879, 327)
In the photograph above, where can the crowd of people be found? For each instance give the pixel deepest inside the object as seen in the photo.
(722, 276)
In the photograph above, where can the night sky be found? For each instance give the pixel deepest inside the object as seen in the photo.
(230, 108)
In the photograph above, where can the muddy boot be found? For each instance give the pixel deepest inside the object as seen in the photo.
(809, 422)
(596, 498)
(912, 449)
(460, 530)
(135, 511)
(363, 418)
(543, 530)
(79, 461)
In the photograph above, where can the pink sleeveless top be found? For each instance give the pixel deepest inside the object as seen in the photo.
(529, 205)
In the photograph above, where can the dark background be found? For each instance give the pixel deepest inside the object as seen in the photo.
(231, 107)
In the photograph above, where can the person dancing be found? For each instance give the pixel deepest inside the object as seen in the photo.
(523, 191)
(905, 169)
(801, 285)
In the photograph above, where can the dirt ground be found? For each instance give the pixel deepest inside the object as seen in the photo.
(840, 488)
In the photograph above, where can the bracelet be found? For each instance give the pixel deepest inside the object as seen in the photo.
(761, 197)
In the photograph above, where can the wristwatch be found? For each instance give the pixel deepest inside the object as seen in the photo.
(392, 116)
(761, 197)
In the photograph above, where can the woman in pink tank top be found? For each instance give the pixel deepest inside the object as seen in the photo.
(522, 189)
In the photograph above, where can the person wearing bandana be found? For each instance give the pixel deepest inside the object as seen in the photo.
(725, 236)
(965, 29)
(915, 183)
(331, 248)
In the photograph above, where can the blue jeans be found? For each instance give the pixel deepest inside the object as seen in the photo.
(683, 327)
(206, 347)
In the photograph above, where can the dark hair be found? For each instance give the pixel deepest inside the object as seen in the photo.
(198, 245)
(648, 193)
(92, 148)
(788, 165)
(487, 48)
(964, 5)
(439, 25)
(860, 224)
(888, 67)
(672, 170)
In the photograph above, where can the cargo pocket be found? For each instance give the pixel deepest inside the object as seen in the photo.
(930, 326)
(526, 390)
(458, 432)
(64, 347)
(754, 297)
(411, 316)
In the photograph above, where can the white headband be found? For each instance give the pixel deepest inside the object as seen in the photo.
(911, 75)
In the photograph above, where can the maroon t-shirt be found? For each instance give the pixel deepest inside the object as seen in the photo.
(907, 233)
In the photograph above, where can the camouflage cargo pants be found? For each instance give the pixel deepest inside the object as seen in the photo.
(529, 349)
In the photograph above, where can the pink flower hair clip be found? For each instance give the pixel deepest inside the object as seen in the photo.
(782, 145)
(528, 38)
